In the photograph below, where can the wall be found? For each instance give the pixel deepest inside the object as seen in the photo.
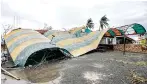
(130, 48)
(103, 40)
(114, 40)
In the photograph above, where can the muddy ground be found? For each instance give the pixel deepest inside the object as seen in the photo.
(110, 67)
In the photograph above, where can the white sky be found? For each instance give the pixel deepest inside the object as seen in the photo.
(71, 13)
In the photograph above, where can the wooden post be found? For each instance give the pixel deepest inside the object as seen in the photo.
(10, 74)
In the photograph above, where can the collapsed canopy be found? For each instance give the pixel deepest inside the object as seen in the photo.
(22, 43)
(130, 29)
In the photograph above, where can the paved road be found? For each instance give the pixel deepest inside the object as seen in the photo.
(110, 67)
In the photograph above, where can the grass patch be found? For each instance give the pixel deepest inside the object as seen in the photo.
(136, 79)
(141, 63)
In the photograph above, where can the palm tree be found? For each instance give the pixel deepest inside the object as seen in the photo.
(103, 22)
(90, 23)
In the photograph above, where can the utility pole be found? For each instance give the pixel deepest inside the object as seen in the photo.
(125, 30)
(124, 44)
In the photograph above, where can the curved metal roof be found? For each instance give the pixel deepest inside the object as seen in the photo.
(130, 29)
(138, 29)
(113, 32)
(76, 46)
(21, 43)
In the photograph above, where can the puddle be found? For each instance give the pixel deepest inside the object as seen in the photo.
(40, 74)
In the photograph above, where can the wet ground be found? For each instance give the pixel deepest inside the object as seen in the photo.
(110, 67)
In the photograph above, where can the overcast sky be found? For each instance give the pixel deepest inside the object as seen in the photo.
(71, 13)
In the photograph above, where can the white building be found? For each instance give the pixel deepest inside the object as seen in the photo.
(116, 40)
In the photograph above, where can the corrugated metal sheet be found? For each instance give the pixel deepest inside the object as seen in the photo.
(59, 35)
(22, 43)
(130, 30)
(76, 45)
